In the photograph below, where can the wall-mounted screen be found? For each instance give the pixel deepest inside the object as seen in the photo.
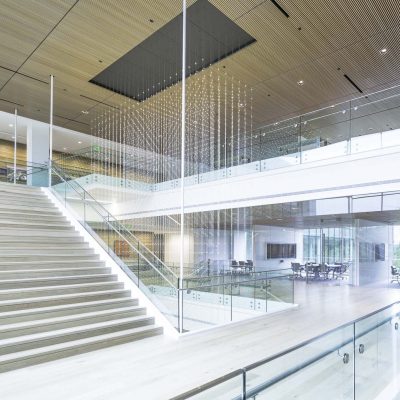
(380, 252)
(281, 250)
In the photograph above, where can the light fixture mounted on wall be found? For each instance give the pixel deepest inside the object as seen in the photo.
(300, 83)
(383, 51)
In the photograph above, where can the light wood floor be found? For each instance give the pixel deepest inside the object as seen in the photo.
(159, 368)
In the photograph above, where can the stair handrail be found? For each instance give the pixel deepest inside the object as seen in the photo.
(58, 171)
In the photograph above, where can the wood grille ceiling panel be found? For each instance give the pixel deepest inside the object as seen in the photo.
(334, 33)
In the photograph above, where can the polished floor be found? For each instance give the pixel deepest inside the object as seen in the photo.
(160, 368)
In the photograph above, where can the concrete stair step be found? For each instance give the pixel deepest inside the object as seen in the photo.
(31, 251)
(7, 187)
(48, 257)
(22, 359)
(68, 321)
(26, 202)
(4, 216)
(32, 341)
(48, 291)
(35, 314)
(25, 193)
(51, 264)
(41, 282)
(5, 224)
(33, 198)
(29, 210)
(45, 234)
(57, 300)
(39, 241)
(51, 209)
(10, 273)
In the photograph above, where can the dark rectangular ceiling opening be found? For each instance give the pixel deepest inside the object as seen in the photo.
(156, 63)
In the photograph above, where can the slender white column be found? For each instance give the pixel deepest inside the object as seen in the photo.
(51, 126)
(15, 146)
(183, 115)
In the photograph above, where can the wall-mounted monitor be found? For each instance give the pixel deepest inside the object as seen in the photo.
(380, 252)
(281, 250)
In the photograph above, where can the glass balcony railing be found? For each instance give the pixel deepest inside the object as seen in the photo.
(359, 360)
(363, 124)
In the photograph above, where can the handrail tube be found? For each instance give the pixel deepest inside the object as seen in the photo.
(59, 173)
(236, 283)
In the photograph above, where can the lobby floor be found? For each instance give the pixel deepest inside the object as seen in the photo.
(160, 368)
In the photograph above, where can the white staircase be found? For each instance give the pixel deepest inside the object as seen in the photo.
(57, 298)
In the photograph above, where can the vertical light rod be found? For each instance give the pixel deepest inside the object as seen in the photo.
(15, 145)
(51, 126)
(183, 127)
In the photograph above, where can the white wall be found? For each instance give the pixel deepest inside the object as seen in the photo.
(374, 272)
(264, 234)
(172, 242)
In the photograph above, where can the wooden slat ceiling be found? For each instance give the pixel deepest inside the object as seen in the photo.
(76, 39)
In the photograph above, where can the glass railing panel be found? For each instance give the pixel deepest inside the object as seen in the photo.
(391, 138)
(280, 291)
(206, 303)
(362, 143)
(391, 201)
(212, 176)
(287, 160)
(377, 355)
(322, 368)
(249, 297)
(244, 169)
(322, 153)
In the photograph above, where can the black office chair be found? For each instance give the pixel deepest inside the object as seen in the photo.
(296, 268)
(249, 265)
(395, 275)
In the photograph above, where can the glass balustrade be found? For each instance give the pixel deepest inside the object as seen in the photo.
(359, 360)
(357, 126)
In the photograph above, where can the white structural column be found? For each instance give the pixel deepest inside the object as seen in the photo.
(15, 146)
(183, 127)
(37, 153)
(51, 126)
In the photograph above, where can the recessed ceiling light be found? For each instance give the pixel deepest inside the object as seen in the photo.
(79, 142)
(10, 125)
(355, 108)
(300, 83)
(85, 112)
(383, 51)
(64, 148)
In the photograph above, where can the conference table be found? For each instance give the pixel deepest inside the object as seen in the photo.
(321, 271)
